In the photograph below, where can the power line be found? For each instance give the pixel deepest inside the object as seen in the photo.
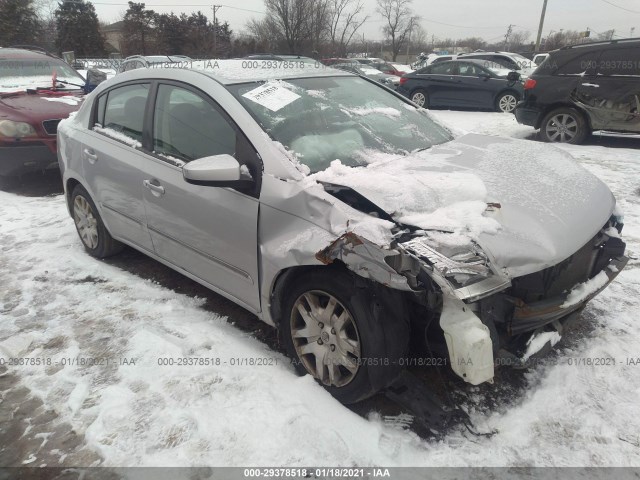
(618, 6)
(179, 5)
(457, 26)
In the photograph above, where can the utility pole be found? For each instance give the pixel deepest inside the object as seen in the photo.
(506, 37)
(633, 29)
(215, 8)
(544, 12)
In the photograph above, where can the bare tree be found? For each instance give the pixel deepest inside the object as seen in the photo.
(473, 43)
(419, 39)
(318, 22)
(519, 39)
(266, 33)
(605, 36)
(291, 18)
(344, 24)
(400, 21)
(561, 39)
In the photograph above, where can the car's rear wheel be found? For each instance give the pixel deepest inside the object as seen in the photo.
(564, 125)
(421, 98)
(506, 102)
(95, 237)
(347, 336)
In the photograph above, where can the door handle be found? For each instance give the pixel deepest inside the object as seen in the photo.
(90, 155)
(590, 85)
(157, 190)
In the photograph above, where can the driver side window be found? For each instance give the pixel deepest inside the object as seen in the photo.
(186, 126)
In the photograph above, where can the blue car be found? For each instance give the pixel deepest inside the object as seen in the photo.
(463, 84)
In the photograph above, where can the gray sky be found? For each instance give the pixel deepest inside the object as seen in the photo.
(488, 19)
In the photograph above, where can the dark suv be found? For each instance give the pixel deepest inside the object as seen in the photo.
(583, 88)
(37, 90)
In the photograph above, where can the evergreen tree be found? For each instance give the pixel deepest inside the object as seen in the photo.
(138, 32)
(78, 29)
(18, 23)
(171, 33)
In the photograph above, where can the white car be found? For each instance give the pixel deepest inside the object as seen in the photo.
(343, 214)
(507, 60)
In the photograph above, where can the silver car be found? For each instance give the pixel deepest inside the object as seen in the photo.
(344, 215)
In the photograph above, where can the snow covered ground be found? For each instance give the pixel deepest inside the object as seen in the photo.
(58, 304)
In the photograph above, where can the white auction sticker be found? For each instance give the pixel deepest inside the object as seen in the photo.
(272, 96)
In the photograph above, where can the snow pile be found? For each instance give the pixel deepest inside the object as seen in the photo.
(291, 156)
(430, 199)
(388, 111)
(584, 290)
(67, 99)
(536, 342)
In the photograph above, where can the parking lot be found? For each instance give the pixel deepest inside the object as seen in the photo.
(132, 401)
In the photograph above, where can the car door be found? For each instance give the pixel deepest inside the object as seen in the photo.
(440, 83)
(112, 162)
(209, 232)
(612, 93)
(475, 86)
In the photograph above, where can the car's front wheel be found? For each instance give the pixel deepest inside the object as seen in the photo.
(94, 235)
(506, 102)
(421, 98)
(348, 337)
(564, 125)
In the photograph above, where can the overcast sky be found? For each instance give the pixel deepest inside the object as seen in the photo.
(488, 19)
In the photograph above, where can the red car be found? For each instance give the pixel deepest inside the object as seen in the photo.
(37, 90)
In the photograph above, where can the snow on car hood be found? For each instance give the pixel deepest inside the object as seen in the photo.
(527, 204)
(38, 107)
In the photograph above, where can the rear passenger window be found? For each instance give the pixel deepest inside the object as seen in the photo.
(186, 126)
(584, 63)
(620, 61)
(123, 112)
(506, 62)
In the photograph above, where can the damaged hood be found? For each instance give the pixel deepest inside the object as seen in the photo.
(528, 205)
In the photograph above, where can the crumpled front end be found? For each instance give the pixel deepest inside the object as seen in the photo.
(494, 269)
(513, 319)
(486, 317)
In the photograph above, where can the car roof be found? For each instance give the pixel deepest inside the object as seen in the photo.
(16, 53)
(475, 54)
(229, 72)
(623, 42)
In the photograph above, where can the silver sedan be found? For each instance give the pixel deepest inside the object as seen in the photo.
(342, 214)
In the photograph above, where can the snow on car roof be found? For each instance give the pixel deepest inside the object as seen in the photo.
(247, 70)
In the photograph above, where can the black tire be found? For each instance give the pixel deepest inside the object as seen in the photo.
(503, 98)
(576, 127)
(105, 245)
(381, 323)
(421, 96)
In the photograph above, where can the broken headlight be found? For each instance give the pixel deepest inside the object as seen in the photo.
(461, 268)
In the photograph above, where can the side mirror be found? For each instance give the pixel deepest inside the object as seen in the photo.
(215, 171)
(513, 76)
(484, 76)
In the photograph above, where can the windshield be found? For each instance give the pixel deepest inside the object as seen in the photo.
(19, 74)
(338, 118)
